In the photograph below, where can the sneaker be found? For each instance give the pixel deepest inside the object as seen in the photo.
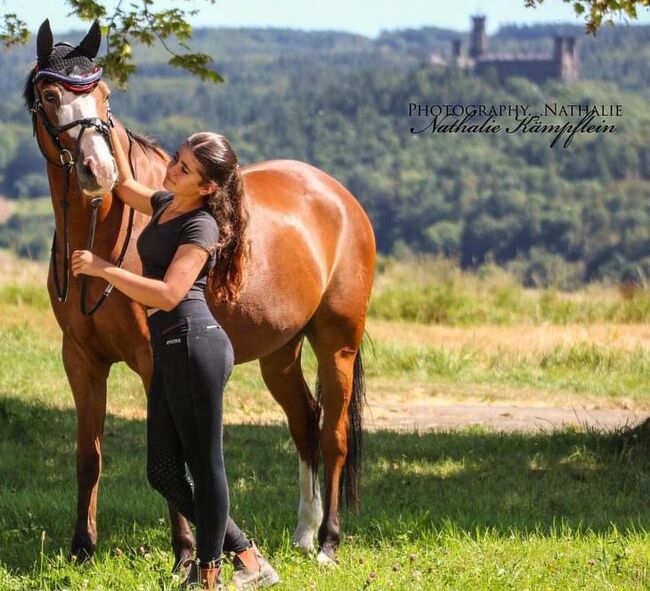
(252, 570)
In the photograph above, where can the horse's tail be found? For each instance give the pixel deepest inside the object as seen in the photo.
(350, 478)
(352, 467)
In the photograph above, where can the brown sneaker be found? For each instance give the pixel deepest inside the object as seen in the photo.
(252, 570)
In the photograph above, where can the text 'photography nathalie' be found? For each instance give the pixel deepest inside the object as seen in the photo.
(563, 122)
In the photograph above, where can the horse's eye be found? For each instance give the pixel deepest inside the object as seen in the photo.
(50, 97)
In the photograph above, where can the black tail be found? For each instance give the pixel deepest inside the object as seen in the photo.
(352, 467)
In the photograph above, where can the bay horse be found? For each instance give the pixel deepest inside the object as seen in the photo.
(310, 274)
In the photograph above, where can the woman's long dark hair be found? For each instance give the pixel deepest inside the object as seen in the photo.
(218, 163)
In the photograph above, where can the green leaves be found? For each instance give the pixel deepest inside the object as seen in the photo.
(13, 31)
(87, 10)
(596, 10)
(139, 23)
(196, 63)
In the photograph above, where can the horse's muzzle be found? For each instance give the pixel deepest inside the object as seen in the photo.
(91, 184)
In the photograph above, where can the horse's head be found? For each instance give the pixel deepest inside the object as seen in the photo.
(69, 102)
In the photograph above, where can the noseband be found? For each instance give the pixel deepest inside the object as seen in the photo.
(67, 160)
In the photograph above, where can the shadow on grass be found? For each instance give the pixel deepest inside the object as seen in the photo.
(413, 484)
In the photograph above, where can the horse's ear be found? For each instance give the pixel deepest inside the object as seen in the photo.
(44, 40)
(91, 42)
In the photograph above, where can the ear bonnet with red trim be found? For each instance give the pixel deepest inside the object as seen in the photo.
(72, 66)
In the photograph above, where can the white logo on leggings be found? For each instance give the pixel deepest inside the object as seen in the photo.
(172, 341)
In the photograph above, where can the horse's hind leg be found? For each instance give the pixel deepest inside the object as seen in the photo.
(87, 378)
(336, 342)
(283, 376)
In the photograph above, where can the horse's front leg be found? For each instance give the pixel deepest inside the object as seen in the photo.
(87, 377)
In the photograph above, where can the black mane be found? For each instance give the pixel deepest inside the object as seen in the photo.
(29, 95)
(149, 143)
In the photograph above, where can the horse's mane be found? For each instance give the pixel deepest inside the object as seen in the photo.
(146, 142)
(28, 90)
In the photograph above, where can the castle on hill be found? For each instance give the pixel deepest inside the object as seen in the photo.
(562, 64)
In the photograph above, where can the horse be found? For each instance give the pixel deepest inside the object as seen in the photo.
(310, 274)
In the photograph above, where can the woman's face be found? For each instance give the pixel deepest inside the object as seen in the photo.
(183, 178)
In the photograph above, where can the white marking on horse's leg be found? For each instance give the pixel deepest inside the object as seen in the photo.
(310, 510)
(324, 560)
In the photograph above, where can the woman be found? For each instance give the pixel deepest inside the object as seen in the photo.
(201, 217)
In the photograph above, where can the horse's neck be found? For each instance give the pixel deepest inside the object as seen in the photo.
(148, 163)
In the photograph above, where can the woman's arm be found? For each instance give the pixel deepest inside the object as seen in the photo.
(133, 193)
(154, 293)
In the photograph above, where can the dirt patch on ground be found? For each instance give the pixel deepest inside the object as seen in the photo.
(424, 415)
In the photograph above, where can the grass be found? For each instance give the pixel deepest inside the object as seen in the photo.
(468, 509)
(461, 510)
(558, 369)
(436, 291)
(581, 368)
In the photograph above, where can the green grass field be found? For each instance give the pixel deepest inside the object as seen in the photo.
(466, 509)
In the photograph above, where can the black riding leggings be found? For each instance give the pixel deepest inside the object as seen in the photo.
(193, 359)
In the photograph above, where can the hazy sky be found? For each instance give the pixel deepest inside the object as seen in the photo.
(367, 17)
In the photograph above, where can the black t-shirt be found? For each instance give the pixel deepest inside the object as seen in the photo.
(157, 244)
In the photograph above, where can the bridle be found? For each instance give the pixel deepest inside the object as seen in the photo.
(67, 160)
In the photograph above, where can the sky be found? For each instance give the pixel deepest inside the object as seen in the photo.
(367, 17)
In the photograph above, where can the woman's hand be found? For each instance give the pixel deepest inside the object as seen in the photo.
(85, 262)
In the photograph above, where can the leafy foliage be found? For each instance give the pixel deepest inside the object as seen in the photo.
(124, 27)
(595, 11)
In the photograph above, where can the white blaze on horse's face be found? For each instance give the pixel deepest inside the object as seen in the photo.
(96, 169)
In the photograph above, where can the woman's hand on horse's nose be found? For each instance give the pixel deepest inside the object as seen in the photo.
(84, 262)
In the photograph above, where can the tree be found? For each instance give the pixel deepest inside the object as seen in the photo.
(139, 23)
(597, 10)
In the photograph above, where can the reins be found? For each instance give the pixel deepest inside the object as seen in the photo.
(67, 162)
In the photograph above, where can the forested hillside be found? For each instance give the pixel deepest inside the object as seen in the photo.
(340, 101)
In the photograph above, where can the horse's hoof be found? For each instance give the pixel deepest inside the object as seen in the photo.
(182, 560)
(304, 541)
(326, 557)
(82, 548)
(308, 549)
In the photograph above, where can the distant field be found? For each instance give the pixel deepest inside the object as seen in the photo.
(32, 206)
(464, 509)
(436, 291)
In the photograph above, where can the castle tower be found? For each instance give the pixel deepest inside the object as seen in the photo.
(572, 71)
(455, 51)
(565, 58)
(478, 38)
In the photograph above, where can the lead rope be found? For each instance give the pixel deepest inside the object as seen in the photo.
(62, 294)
